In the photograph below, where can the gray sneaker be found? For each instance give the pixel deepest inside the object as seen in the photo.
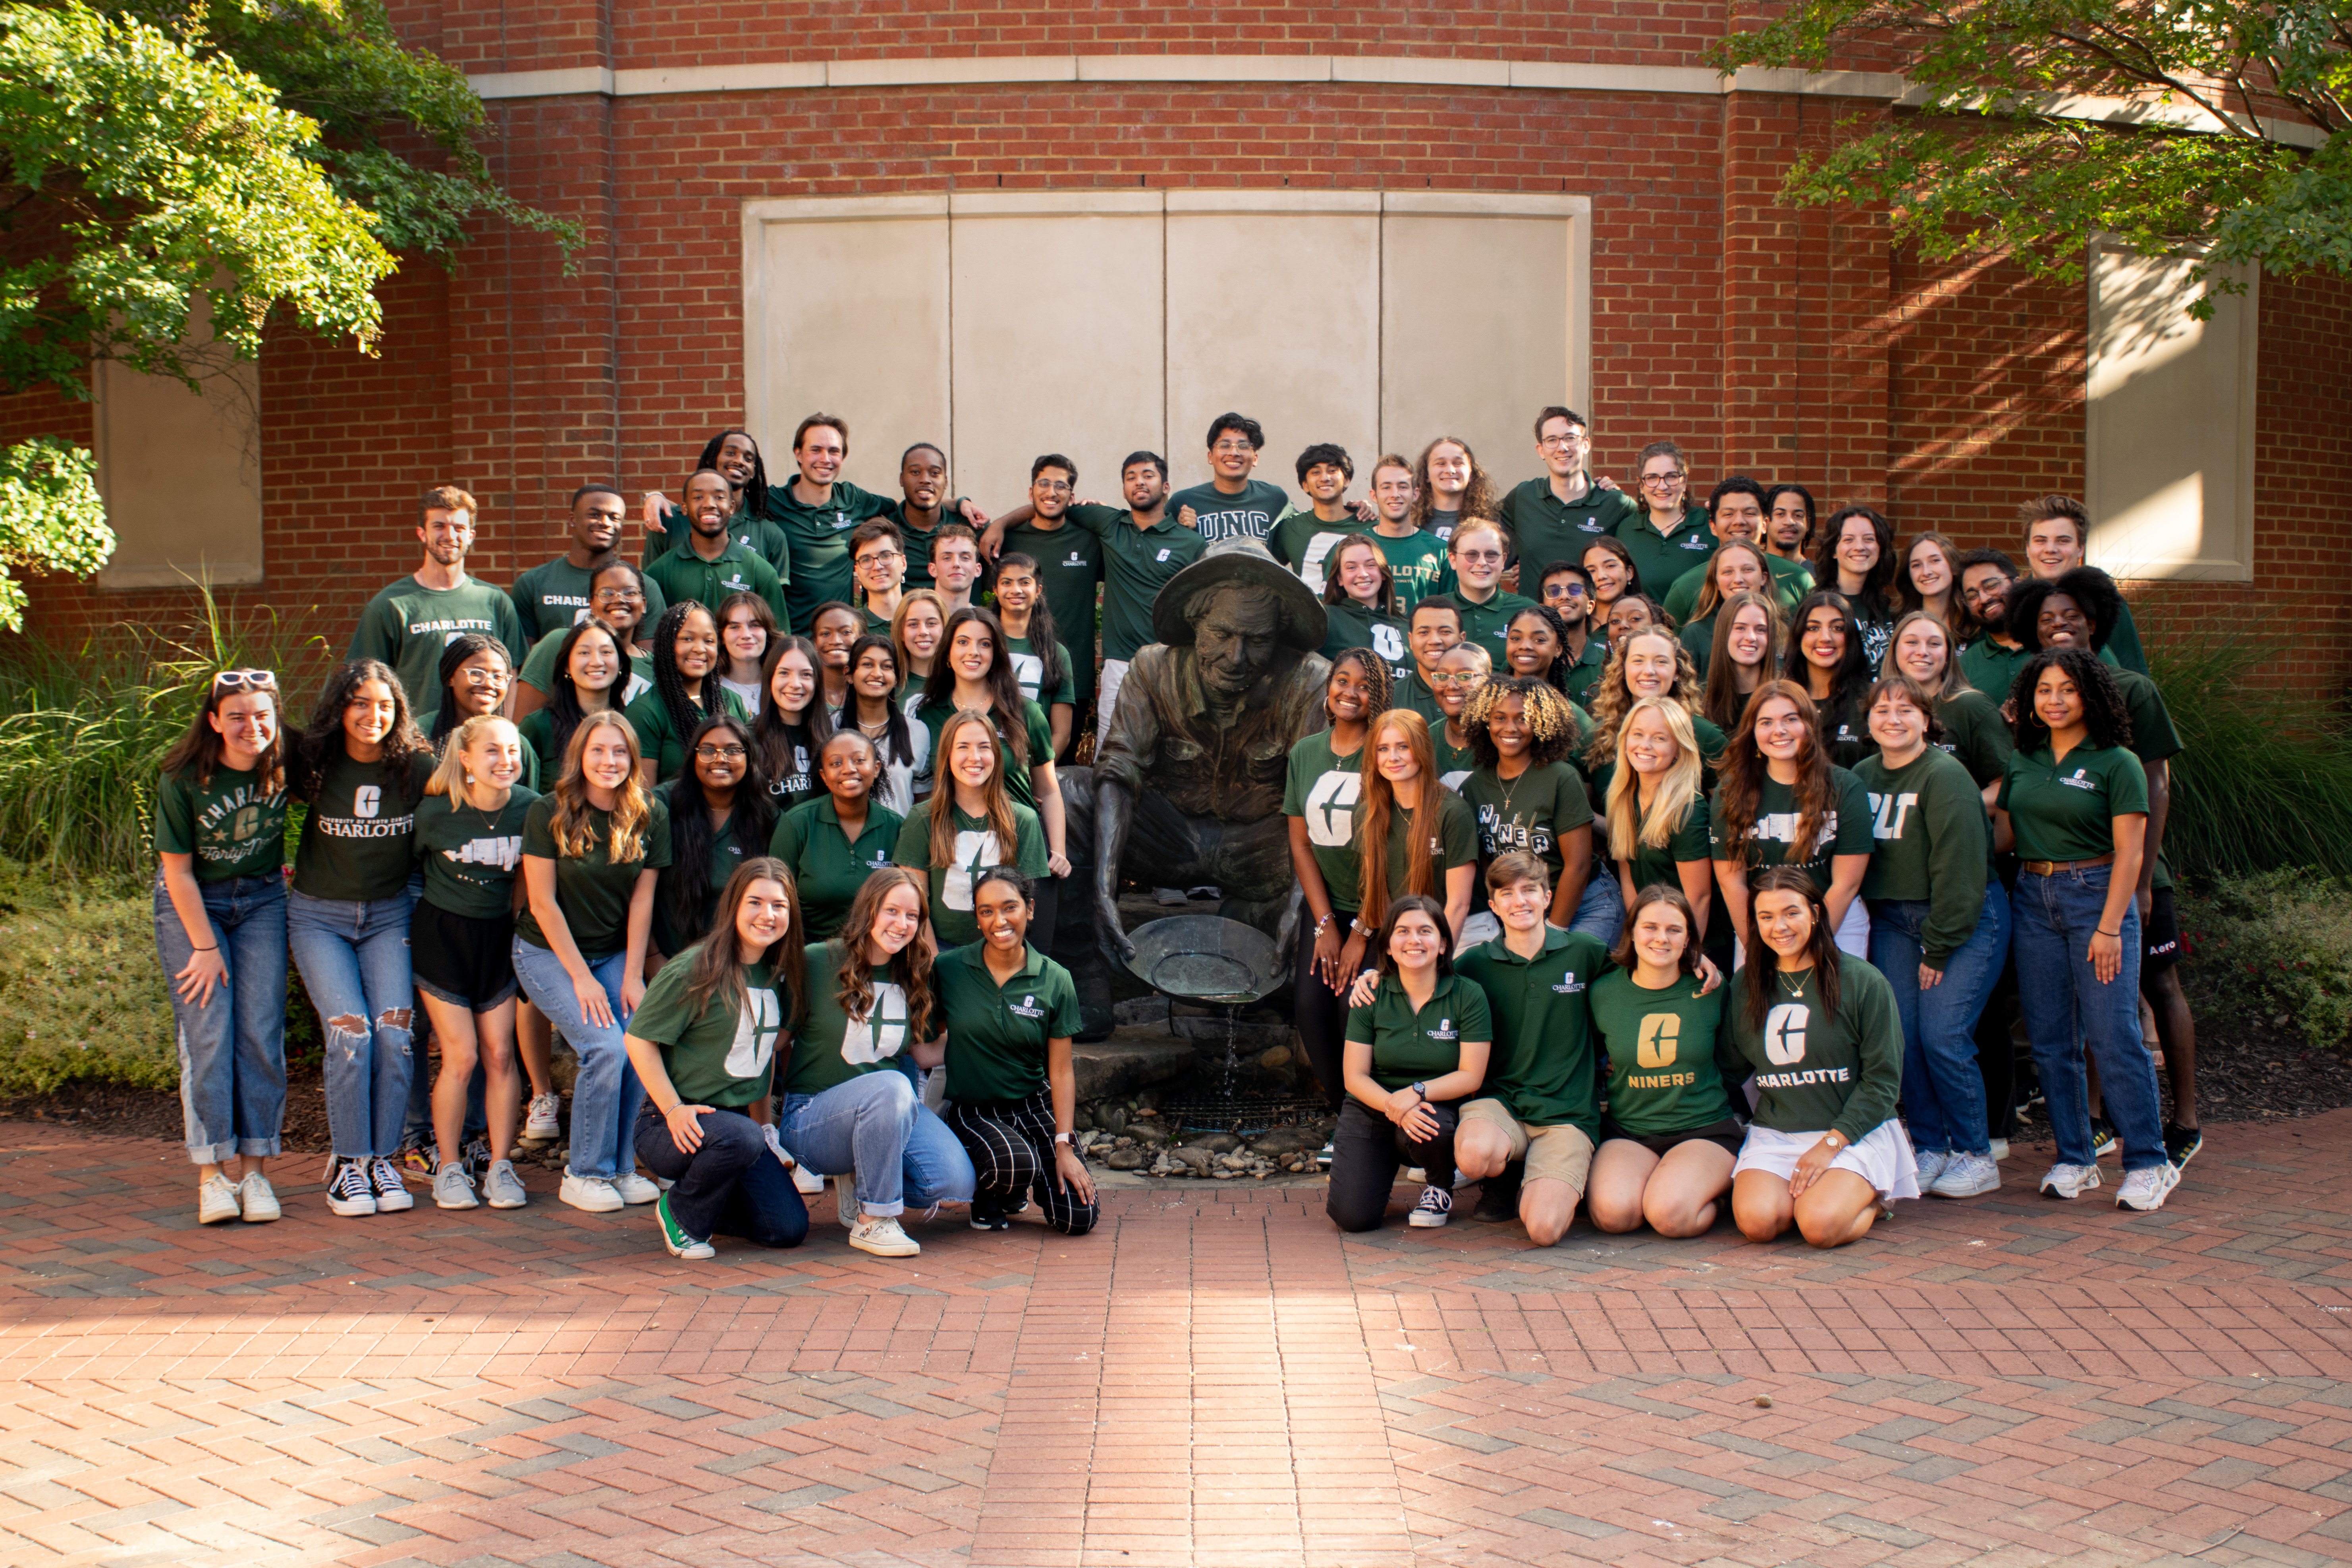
(453, 1188)
(1965, 1176)
(2069, 1181)
(1931, 1167)
(2144, 1190)
(502, 1187)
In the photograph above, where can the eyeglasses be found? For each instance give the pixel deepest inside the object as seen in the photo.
(487, 678)
(880, 557)
(715, 753)
(1481, 555)
(245, 681)
(619, 596)
(1233, 448)
(1456, 677)
(1570, 439)
(1661, 479)
(1062, 487)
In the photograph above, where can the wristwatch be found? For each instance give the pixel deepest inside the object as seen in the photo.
(1062, 1137)
(1836, 1141)
(1422, 1089)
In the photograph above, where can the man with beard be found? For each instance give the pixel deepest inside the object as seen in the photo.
(734, 455)
(410, 623)
(923, 485)
(1992, 661)
(713, 565)
(551, 598)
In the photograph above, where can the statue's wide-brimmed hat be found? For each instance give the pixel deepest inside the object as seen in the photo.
(1240, 559)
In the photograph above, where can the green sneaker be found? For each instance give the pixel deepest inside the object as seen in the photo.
(675, 1237)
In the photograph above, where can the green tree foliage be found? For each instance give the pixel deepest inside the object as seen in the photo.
(2035, 127)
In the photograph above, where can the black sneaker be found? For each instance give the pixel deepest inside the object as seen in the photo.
(2104, 1140)
(2181, 1143)
(1436, 1207)
(988, 1216)
(1498, 1196)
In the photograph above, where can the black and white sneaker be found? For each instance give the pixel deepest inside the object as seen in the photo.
(1436, 1207)
(350, 1193)
(988, 1216)
(2181, 1143)
(2104, 1140)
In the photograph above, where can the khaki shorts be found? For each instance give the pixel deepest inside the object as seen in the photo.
(1561, 1153)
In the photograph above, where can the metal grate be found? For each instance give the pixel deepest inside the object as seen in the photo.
(1241, 1114)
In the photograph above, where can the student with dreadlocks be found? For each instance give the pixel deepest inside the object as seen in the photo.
(686, 690)
(473, 678)
(734, 455)
(1319, 796)
(721, 814)
(1528, 797)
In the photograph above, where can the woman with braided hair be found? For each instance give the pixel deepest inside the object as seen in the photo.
(1319, 796)
(1528, 797)
(686, 692)
(474, 677)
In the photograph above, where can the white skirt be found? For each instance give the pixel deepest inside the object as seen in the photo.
(1884, 1157)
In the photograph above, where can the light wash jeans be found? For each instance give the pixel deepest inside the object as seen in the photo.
(605, 1097)
(877, 1127)
(2055, 917)
(233, 1048)
(1943, 1088)
(354, 962)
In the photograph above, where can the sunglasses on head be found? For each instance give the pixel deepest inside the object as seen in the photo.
(245, 681)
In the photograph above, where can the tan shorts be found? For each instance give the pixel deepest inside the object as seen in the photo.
(1561, 1153)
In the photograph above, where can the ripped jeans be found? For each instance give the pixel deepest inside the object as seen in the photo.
(354, 962)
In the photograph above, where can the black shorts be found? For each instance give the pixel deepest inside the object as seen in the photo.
(459, 960)
(2161, 934)
(1725, 1134)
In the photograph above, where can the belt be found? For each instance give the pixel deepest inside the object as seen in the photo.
(2053, 868)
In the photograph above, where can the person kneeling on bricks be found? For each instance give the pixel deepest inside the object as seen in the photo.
(1412, 1055)
(1819, 1027)
(1012, 1090)
(703, 1042)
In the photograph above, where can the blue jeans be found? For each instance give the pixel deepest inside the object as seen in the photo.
(605, 1097)
(233, 1048)
(354, 962)
(2054, 918)
(1943, 1088)
(730, 1186)
(877, 1127)
(1600, 912)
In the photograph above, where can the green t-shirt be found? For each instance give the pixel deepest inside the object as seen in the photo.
(1818, 1070)
(918, 542)
(816, 543)
(1320, 789)
(1217, 515)
(1488, 624)
(1137, 563)
(355, 842)
(658, 737)
(2065, 810)
(1070, 569)
(2154, 739)
(593, 892)
(723, 1053)
(1661, 559)
(1664, 1069)
(553, 597)
(1542, 1064)
(725, 855)
(2123, 647)
(1976, 734)
(1532, 812)
(832, 1048)
(1790, 583)
(1412, 692)
(469, 855)
(684, 577)
(1352, 625)
(1029, 669)
(997, 1033)
(1413, 1045)
(1304, 542)
(1452, 840)
(827, 867)
(1845, 831)
(797, 783)
(975, 847)
(1418, 565)
(1038, 731)
(1455, 764)
(539, 671)
(408, 624)
(1656, 864)
(1546, 530)
(231, 827)
(1934, 842)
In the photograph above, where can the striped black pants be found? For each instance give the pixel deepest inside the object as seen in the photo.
(1010, 1143)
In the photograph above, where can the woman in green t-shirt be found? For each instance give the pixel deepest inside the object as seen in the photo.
(1041, 663)
(972, 823)
(1359, 605)
(686, 692)
(1011, 1090)
(469, 837)
(1412, 834)
(704, 1044)
(901, 747)
(1320, 793)
(851, 1109)
(791, 725)
(590, 675)
(1826, 1151)
(474, 677)
(1744, 655)
(592, 848)
(1973, 730)
(720, 813)
(2074, 803)
(1528, 795)
(836, 841)
(220, 931)
(1669, 1140)
(1779, 791)
(359, 766)
(1413, 1055)
(1656, 818)
(1826, 657)
(975, 674)
(617, 595)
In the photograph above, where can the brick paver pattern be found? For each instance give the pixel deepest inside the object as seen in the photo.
(1215, 1376)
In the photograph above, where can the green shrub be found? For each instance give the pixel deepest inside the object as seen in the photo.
(81, 992)
(2273, 949)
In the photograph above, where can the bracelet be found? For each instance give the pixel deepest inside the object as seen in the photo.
(214, 949)
(1323, 925)
(2116, 934)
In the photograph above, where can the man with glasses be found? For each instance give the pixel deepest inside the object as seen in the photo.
(1993, 659)
(1554, 518)
(1434, 630)
(409, 623)
(714, 562)
(1232, 503)
(1477, 552)
(1735, 510)
(877, 557)
(1069, 564)
(553, 597)
(1666, 537)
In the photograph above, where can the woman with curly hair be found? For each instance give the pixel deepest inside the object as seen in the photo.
(1655, 813)
(1321, 792)
(1528, 797)
(1827, 657)
(851, 1109)
(361, 768)
(1449, 485)
(1855, 559)
(1744, 655)
(1781, 801)
(686, 692)
(2075, 804)
(1645, 666)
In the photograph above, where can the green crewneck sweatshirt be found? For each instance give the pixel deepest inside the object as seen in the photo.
(1819, 1070)
(1934, 842)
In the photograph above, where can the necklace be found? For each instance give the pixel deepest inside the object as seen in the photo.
(1796, 987)
(875, 730)
(1511, 789)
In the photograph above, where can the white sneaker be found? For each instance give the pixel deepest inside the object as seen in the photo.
(257, 1200)
(1931, 1167)
(636, 1189)
(350, 1193)
(844, 1200)
(392, 1195)
(879, 1234)
(216, 1200)
(502, 1187)
(806, 1182)
(540, 1122)
(590, 1195)
(453, 1188)
(2069, 1180)
(2143, 1191)
(1436, 1207)
(1966, 1175)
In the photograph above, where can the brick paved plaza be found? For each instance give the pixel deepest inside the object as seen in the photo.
(1214, 1377)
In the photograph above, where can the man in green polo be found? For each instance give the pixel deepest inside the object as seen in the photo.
(1554, 518)
(1735, 510)
(713, 565)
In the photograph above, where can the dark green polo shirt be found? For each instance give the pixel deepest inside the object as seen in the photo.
(1976, 734)
(1542, 1064)
(1137, 563)
(1546, 530)
(827, 867)
(1583, 675)
(683, 576)
(1488, 624)
(1660, 559)
(997, 1033)
(1413, 1045)
(817, 540)
(658, 737)
(2065, 809)
(1070, 570)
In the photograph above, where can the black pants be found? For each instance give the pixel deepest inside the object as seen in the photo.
(1365, 1153)
(1010, 1143)
(731, 1186)
(1320, 1011)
